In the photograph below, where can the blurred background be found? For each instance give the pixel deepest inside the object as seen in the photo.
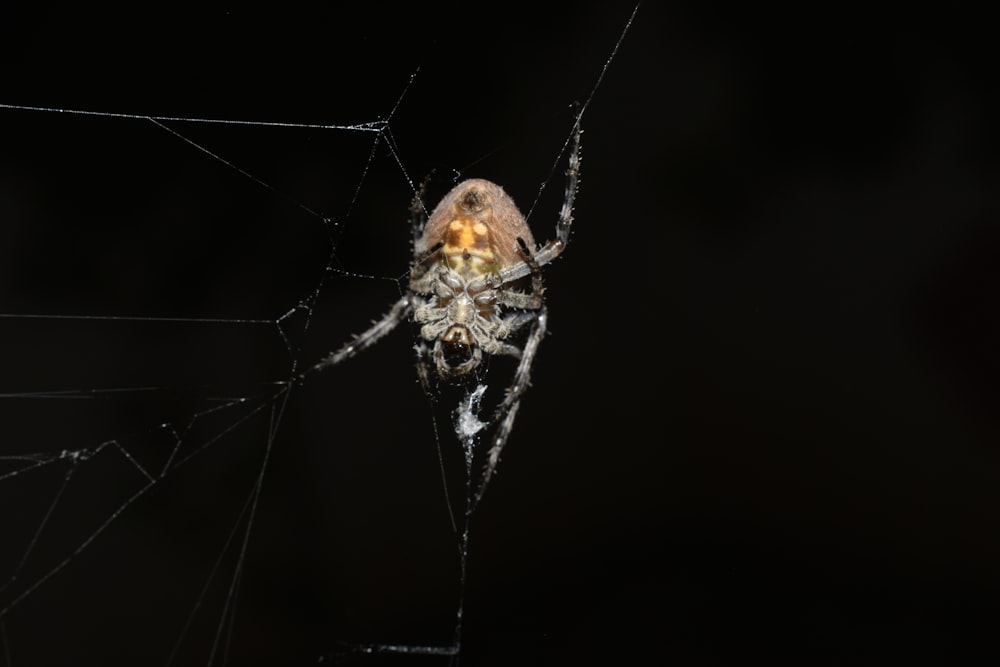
(763, 426)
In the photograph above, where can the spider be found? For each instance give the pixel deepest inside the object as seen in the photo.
(473, 259)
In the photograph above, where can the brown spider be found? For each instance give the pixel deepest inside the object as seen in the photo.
(472, 258)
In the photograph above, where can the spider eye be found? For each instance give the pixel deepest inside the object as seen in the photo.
(457, 346)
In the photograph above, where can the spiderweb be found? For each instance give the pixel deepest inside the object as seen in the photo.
(172, 494)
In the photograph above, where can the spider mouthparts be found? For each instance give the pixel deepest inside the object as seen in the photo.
(456, 346)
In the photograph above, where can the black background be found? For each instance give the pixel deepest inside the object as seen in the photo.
(764, 424)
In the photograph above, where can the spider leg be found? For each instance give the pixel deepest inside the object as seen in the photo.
(424, 365)
(399, 312)
(522, 376)
(537, 286)
(418, 212)
(525, 302)
(564, 225)
(423, 277)
(519, 300)
(512, 402)
(515, 321)
(572, 183)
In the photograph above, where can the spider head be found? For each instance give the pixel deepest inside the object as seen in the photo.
(456, 352)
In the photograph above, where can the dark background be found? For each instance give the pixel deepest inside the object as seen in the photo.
(763, 427)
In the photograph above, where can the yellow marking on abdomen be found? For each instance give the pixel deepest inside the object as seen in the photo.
(467, 246)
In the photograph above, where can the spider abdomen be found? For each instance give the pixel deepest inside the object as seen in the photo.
(478, 225)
